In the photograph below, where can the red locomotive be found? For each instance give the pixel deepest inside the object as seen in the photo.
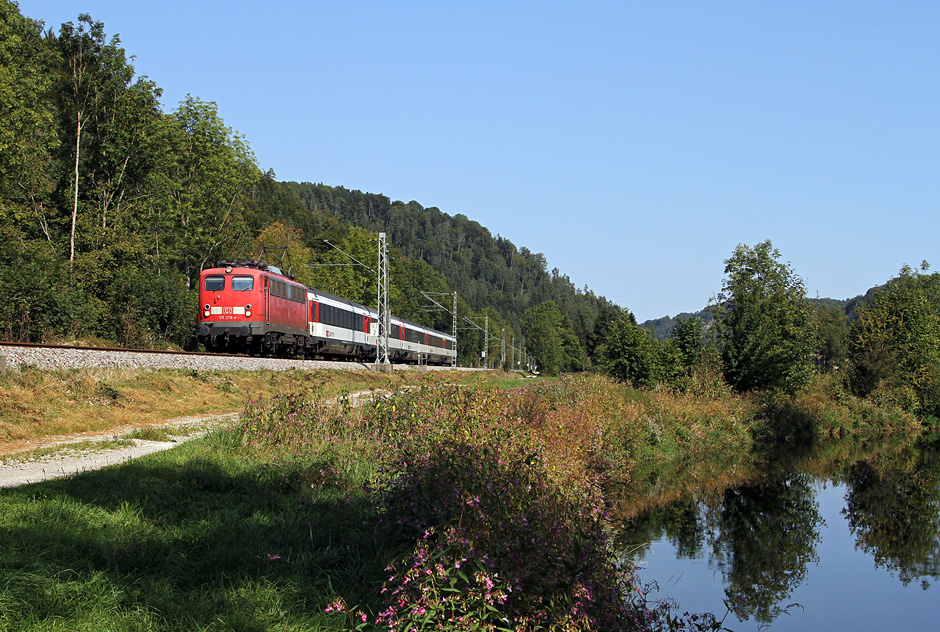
(252, 307)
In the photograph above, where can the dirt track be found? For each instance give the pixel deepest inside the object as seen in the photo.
(15, 472)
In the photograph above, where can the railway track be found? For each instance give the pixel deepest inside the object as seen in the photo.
(14, 356)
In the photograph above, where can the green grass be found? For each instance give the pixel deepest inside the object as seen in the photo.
(208, 536)
(198, 538)
(163, 433)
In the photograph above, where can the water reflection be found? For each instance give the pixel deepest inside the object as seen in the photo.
(765, 537)
(762, 535)
(893, 511)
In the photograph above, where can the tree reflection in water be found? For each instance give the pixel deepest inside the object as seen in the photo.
(760, 536)
(763, 534)
(764, 538)
(894, 513)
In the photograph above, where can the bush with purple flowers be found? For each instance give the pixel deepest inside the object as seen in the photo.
(503, 493)
(497, 495)
(498, 544)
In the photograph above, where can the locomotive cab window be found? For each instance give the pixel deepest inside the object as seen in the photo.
(215, 283)
(243, 283)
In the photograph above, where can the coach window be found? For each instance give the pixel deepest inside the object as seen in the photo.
(243, 284)
(215, 283)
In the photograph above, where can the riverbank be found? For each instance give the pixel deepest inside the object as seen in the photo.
(441, 503)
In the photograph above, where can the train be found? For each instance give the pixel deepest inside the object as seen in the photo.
(255, 308)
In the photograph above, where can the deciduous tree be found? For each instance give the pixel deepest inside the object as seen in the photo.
(282, 246)
(832, 329)
(631, 355)
(689, 338)
(765, 329)
(895, 342)
(550, 339)
(27, 131)
(212, 174)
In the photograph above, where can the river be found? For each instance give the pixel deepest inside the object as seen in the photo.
(813, 543)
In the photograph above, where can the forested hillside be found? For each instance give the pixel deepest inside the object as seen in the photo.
(489, 273)
(110, 207)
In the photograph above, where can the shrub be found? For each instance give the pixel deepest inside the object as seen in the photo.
(498, 542)
(894, 345)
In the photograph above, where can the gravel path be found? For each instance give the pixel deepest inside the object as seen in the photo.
(15, 471)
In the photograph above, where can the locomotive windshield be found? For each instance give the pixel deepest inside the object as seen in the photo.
(215, 283)
(243, 283)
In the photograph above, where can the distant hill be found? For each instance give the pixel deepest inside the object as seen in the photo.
(662, 327)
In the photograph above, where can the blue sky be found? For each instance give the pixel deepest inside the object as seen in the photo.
(634, 144)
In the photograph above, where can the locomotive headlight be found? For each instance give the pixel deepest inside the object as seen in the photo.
(206, 313)
(206, 307)
(248, 307)
(247, 313)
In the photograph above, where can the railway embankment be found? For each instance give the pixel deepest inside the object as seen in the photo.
(69, 357)
(51, 393)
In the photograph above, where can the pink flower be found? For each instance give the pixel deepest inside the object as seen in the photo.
(337, 606)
